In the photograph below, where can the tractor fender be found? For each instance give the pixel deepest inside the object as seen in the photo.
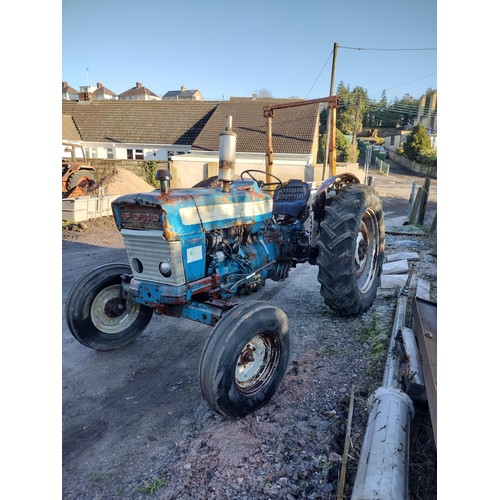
(330, 186)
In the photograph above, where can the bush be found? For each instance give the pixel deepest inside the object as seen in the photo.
(342, 146)
(417, 142)
(150, 168)
(427, 157)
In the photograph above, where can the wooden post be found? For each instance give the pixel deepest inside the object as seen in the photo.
(423, 202)
(416, 206)
(269, 144)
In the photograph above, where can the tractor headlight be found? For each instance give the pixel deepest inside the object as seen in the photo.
(165, 269)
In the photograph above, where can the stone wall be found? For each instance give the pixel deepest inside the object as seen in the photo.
(187, 175)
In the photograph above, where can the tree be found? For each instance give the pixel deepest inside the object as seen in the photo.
(263, 92)
(351, 103)
(417, 142)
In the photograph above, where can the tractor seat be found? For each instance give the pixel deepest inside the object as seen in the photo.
(291, 199)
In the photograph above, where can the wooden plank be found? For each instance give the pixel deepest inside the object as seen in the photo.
(425, 328)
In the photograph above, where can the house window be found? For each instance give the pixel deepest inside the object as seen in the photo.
(135, 154)
(91, 152)
(109, 153)
(392, 140)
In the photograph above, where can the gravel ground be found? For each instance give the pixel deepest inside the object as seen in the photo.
(292, 448)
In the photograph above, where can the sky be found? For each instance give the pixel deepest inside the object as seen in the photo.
(236, 48)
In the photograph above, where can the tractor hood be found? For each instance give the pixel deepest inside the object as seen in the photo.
(180, 212)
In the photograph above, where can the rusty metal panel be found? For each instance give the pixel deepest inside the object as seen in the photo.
(425, 327)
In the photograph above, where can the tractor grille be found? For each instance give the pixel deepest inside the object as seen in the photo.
(141, 218)
(146, 249)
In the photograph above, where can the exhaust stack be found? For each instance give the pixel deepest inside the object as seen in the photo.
(227, 155)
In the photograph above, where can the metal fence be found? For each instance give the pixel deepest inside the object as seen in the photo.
(374, 156)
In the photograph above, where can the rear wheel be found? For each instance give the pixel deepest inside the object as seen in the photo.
(351, 249)
(98, 316)
(81, 178)
(245, 358)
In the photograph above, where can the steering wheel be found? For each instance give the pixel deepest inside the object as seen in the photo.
(264, 186)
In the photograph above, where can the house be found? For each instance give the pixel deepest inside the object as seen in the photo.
(138, 93)
(135, 130)
(295, 141)
(101, 93)
(427, 116)
(183, 95)
(69, 93)
(395, 140)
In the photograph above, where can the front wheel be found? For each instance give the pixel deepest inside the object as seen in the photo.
(245, 358)
(351, 249)
(97, 315)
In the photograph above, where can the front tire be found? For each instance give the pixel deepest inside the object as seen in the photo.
(351, 249)
(96, 314)
(245, 358)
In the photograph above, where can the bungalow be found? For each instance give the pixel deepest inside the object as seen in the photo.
(295, 141)
(168, 130)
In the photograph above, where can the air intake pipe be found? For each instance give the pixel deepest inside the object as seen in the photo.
(227, 155)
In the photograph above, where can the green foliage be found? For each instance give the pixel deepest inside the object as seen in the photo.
(150, 167)
(345, 151)
(352, 154)
(427, 157)
(417, 142)
(351, 103)
(399, 113)
(152, 487)
(377, 338)
(342, 145)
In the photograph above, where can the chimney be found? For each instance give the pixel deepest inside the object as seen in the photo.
(99, 85)
(183, 88)
(65, 84)
(421, 108)
(138, 85)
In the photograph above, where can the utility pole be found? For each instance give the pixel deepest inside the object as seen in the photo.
(355, 133)
(329, 155)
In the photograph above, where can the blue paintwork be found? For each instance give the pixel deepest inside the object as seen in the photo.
(187, 215)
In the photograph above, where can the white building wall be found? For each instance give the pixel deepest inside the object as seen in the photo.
(119, 151)
(192, 168)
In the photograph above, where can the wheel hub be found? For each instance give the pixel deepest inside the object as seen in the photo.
(114, 308)
(366, 254)
(256, 363)
(110, 313)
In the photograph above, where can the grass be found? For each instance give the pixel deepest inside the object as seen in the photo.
(377, 337)
(153, 486)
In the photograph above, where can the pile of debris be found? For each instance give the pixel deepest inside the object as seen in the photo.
(119, 182)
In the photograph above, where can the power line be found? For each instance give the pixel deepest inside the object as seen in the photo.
(394, 50)
(326, 62)
(406, 83)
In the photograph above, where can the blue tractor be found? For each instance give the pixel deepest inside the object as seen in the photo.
(192, 252)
